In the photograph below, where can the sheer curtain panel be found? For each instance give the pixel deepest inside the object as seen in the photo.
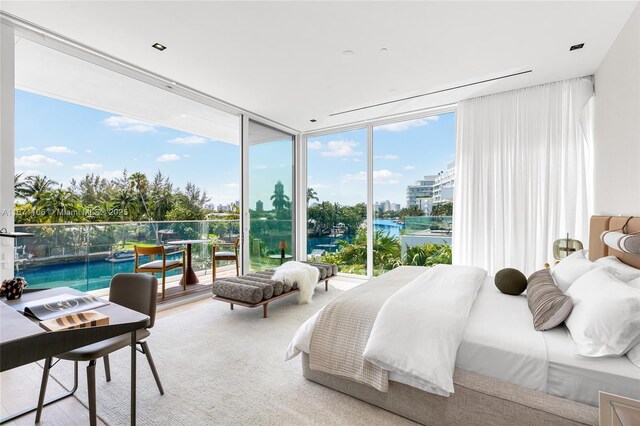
(523, 174)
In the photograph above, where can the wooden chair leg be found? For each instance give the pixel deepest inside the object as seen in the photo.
(91, 388)
(237, 268)
(213, 270)
(107, 368)
(163, 281)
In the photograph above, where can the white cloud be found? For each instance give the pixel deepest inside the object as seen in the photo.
(387, 157)
(231, 185)
(409, 167)
(168, 157)
(189, 140)
(386, 177)
(405, 125)
(36, 160)
(111, 174)
(341, 148)
(383, 177)
(319, 186)
(59, 149)
(186, 155)
(88, 151)
(27, 148)
(88, 166)
(314, 146)
(119, 122)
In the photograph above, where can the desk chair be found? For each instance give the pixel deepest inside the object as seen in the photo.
(225, 255)
(157, 266)
(134, 291)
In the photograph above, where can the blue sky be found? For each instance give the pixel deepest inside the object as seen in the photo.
(403, 153)
(63, 140)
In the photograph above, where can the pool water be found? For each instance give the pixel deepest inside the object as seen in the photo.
(84, 276)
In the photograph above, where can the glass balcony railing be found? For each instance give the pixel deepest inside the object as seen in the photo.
(85, 256)
(428, 225)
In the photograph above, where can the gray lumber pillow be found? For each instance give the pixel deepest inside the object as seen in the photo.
(547, 303)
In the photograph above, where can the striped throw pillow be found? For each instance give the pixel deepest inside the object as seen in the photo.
(547, 303)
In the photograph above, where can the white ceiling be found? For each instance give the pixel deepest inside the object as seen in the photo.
(284, 60)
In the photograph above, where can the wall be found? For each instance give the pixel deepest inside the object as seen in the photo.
(617, 125)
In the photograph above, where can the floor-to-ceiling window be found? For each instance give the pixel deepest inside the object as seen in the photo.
(336, 199)
(411, 179)
(413, 182)
(105, 161)
(270, 196)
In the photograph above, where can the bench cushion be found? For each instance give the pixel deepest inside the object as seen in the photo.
(235, 291)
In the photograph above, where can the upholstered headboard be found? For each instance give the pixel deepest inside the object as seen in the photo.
(598, 249)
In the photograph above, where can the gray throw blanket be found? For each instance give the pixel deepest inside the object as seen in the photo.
(344, 326)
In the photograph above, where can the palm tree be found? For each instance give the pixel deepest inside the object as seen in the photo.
(127, 202)
(60, 203)
(138, 182)
(20, 187)
(312, 195)
(279, 200)
(37, 186)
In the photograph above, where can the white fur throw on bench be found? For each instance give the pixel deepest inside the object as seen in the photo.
(305, 275)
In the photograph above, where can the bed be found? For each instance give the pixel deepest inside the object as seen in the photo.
(505, 372)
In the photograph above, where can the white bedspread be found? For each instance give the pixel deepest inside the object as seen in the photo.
(419, 328)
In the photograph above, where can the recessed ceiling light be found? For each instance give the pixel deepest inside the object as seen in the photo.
(348, 52)
(576, 47)
(384, 49)
(313, 120)
(158, 46)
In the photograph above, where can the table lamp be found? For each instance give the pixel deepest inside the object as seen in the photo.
(282, 246)
(565, 246)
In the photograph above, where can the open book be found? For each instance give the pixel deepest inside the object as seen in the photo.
(77, 320)
(63, 304)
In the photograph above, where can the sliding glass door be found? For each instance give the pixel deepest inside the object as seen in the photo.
(269, 202)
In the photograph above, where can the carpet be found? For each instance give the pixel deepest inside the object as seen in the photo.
(225, 367)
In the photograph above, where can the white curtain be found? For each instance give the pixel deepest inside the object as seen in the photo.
(523, 174)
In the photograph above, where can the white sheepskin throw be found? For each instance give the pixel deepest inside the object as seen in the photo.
(297, 272)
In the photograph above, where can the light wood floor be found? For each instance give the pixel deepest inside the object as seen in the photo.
(19, 387)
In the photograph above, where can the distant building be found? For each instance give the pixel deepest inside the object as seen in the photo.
(444, 185)
(259, 206)
(423, 188)
(396, 207)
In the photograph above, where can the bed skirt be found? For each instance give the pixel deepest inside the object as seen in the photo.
(478, 400)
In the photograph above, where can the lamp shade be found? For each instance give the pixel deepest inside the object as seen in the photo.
(282, 245)
(565, 247)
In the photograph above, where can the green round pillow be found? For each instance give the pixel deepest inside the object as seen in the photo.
(511, 281)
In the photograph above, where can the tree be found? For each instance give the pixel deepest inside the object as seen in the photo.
(280, 200)
(442, 209)
(139, 184)
(312, 195)
(20, 187)
(60, 204)
(410, 211)
(37, 186)
(127, 203)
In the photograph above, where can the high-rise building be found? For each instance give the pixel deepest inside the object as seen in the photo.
(444, 185)
(423, 188)
(259, 206)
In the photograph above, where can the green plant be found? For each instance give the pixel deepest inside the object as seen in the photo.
(427, 255)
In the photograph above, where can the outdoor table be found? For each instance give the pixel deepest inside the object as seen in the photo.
(189, 275)
(282, 259)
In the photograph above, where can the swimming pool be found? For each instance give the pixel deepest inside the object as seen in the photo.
(84, 276)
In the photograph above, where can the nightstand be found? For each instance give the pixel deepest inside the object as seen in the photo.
(618, 411)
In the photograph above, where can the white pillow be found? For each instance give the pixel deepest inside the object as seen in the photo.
(604, 320)
(635, 283)
(634, 355)
(571, 268)
(619, 269)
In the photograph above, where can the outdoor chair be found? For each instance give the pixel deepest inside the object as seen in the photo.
(133, 291)
(158, 266)
(225, 256)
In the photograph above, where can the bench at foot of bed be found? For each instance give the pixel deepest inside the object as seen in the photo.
(257, 289)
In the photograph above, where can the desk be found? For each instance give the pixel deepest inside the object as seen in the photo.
(22, 341)
(189, 275)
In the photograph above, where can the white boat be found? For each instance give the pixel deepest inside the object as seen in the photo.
(121, 256)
